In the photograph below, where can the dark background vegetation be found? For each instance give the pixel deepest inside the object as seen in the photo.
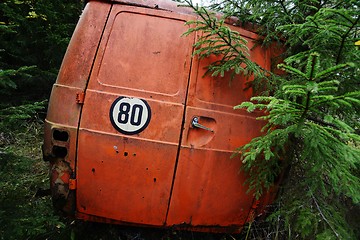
(33, 38)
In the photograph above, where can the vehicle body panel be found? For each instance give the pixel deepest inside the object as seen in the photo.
(131, 176)
(129, 67)
(209, 190)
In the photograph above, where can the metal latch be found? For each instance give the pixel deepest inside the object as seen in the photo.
(195, 124)
(80, 98)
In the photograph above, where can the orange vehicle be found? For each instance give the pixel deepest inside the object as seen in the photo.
(136, 134)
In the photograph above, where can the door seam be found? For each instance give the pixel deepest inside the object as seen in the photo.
(181, 132)
(86, 87)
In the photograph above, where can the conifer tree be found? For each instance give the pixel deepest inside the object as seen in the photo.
(33, 39)
(312, 108)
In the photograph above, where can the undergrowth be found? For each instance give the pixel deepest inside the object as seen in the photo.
(23, 215)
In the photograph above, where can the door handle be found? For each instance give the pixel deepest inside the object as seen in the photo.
(195, 124)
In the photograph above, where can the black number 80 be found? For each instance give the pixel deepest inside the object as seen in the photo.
(135, 114)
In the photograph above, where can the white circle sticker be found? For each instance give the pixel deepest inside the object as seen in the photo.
(130, 115)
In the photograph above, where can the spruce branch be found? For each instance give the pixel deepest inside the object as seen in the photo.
(286, 11)
(219, 39)
(348, 99)
(312, 66)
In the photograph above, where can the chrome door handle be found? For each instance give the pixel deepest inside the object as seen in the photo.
(195, 124)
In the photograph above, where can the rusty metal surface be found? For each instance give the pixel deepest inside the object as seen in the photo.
(60, 173)
(169, 172)
(165, 5)
(128, 178)
(171, 6)
(80, 53)
(208, 188)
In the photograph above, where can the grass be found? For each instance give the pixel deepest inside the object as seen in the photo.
(23, 215)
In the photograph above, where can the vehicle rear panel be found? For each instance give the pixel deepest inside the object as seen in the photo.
(119, 131)
(128, 177)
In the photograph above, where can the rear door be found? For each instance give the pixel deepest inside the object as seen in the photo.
(132, 116)
(208, 188)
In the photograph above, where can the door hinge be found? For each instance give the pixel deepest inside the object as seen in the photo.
(80, 97)
(72, 184)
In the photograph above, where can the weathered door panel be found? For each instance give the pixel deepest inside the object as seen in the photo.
(208, 188)
(128, 177)
(205, 191)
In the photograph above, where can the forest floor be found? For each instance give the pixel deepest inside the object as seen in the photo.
(25, 215)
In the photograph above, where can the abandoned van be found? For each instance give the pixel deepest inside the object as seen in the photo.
(137, 134)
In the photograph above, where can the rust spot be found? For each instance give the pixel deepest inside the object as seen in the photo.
(60, 185)
(64, 176)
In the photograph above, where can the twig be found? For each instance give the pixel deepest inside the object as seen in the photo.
(248, 231)
(323, 216)
(344, 38)
(277, 228)
(232, 237)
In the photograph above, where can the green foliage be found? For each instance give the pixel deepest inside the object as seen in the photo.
(24, 215)
(218, 39)
(312, 131)
(33, 39)
(303, 136)
(6, 81)
(13, 118)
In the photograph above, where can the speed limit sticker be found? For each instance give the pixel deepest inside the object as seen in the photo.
(130, 115)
